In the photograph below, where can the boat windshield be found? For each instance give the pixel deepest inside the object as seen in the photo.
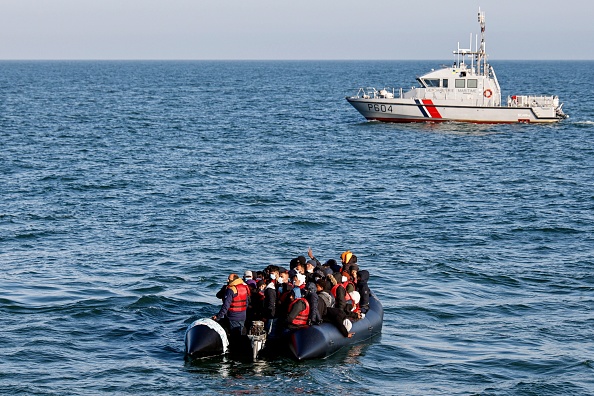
(431, 82)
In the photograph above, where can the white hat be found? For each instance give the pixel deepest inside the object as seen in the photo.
(348, 324)
(248, 274)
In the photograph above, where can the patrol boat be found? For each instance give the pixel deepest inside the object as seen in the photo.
(468, 91)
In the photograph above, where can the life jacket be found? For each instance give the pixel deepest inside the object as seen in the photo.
(347, 296)
(301, 318)
(239, 302)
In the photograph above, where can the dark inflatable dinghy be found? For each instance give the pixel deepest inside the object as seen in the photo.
(323, 340)
(205, 338)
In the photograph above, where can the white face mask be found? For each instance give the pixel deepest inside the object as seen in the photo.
(309, 271)
(344, 279)
(281, 280)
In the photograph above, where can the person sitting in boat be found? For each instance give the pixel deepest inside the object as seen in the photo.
(347, 282)
(347, 258)
(298, 285)
(255, 309)
(331, 266)
(298, 315)
(296, 261)
(340, 318)
(312, 298)
(338, 290)
(235, 304)
(363, 289)
(284, 290)
(310, 270)
(269, 308)
(248, 279)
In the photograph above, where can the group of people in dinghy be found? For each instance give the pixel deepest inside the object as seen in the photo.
(308, 293)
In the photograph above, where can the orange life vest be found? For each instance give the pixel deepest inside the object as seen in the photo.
(301, 318)
(239, 302)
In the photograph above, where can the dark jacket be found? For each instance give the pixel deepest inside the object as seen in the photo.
(363, 289)
(269, 302)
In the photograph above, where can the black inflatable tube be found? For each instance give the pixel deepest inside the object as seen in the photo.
(323, 340)
(203, 341)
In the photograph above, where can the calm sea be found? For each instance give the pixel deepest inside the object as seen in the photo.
(129, 191)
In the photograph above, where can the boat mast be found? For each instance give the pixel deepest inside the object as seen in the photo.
(481, 55)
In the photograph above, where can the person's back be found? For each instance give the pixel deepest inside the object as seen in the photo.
(235, 304)
(363, 289)
(312, 299)
(298, 315)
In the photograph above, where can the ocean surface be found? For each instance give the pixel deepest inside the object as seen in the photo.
(130, 190)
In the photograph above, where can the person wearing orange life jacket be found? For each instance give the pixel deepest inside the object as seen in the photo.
(235, 304)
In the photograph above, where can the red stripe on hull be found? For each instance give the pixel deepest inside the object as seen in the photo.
(431, 108)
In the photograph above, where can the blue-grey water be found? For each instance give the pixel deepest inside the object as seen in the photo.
(129, 191)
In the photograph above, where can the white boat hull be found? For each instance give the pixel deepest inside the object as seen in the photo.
(404, 110)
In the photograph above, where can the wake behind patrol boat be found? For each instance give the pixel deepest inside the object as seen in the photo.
(463, 93)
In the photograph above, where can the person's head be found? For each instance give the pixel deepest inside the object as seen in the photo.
(310, 266)
(299, 279)
(332, 279)
(261, 285)
(284, 277)
(247, 275)
(346, 256)
(232, 277)
(320, 284)
(300, 268)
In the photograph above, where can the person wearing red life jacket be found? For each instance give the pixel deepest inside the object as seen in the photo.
(338, 291)
(235, 304)
(298, 314)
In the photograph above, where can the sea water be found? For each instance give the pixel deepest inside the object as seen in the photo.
(130, 190)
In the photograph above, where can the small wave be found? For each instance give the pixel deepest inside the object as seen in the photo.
(587, 122)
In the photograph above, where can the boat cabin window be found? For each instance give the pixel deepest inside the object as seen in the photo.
(472, 83)
(444, 83)
(431, 82)
(460, 83)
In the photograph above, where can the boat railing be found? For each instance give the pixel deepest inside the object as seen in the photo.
(532, 101)
(372, 93)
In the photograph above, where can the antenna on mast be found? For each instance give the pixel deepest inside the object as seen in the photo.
(481, 54)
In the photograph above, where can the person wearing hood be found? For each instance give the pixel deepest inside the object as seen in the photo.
(312, 299)
(347, 258)
(235, 303)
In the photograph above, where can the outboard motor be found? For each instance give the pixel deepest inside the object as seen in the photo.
(257, 336)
